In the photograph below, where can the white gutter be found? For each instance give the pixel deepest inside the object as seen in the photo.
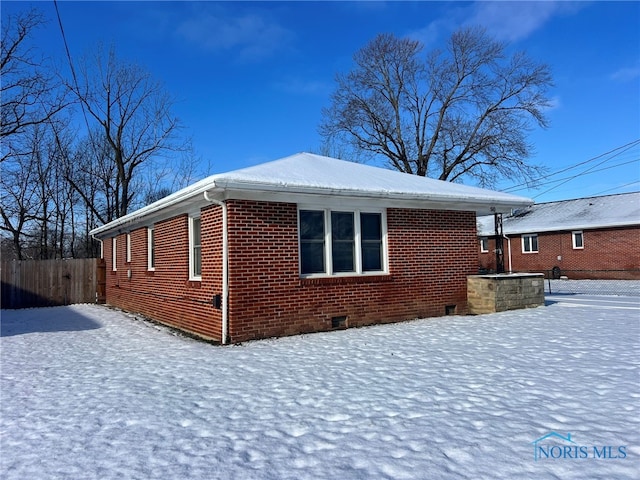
(225, 266)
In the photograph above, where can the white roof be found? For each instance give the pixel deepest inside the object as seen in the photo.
(578, 214)
(307, 177)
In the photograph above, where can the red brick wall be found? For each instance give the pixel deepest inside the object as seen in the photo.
(604, 249)
(166, 294)
(430, 255)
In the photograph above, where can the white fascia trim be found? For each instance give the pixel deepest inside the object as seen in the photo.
(222, 189)
(145, 215)
(408, 200)
(569, 228)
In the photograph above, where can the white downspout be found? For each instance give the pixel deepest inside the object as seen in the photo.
(225, 267)
(509, 248)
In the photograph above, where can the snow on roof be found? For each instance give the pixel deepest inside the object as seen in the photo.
(578, 214)
(307, 174)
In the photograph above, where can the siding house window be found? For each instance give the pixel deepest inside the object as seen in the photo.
(577, 240)
(114, 254)
(151, 250)
(195, 249)
(128, 252)
(530, 243)
(484, 244)
(341, 242)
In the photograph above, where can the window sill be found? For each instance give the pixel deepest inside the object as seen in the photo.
(194, 283)
(343, 280)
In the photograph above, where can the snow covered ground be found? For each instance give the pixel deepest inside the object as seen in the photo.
(88, 392)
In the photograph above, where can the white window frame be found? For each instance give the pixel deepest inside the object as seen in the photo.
(328, 253)
(192, 275)
(114, 254)
(574, 234)
(527, 243)
(484, 241)
(151, 240)
(128, 252)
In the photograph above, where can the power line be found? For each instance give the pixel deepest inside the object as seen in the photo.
(73, 70)
(527, 185)
(584, 173)
(588, 170)
(618, 187)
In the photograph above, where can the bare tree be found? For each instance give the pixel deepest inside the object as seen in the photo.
(462, 112)
(28, 93)
(133, 113)
(21, 191)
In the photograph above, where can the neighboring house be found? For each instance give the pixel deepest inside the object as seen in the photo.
(302, 244)
(596, 237)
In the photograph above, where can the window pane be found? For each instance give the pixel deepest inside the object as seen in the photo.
(342, 237)
(577, 239)
(197, 253)
(197, 262)
(311, 225)
(371, 226)
(342, 226)
(312, 257)
(371, 256)
(534, 243)
(152, 250)
(343, 257)
(371, 231)
(312, 241)
(196, 231)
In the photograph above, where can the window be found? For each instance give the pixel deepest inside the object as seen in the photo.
(312, 241)
(371, 238)
(352, 240)
(530, 243)
(128, 252)
(195, 249)
(578, 240)
(484, 244)
(342, 242)
(151, 250)
(114, 258)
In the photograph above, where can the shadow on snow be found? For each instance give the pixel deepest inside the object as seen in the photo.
(52, 319)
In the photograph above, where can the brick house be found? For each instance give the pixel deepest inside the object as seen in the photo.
(302, 244)
(595, 237)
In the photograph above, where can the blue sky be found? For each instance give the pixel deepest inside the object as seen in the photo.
(251, 78)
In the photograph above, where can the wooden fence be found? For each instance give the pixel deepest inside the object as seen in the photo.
(45, 283)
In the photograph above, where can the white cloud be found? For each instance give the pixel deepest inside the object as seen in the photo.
(626, 74)
(252, 35)
(430, 35)
(512, 21)
(509, 21)
(554, 103)
(301, 86)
